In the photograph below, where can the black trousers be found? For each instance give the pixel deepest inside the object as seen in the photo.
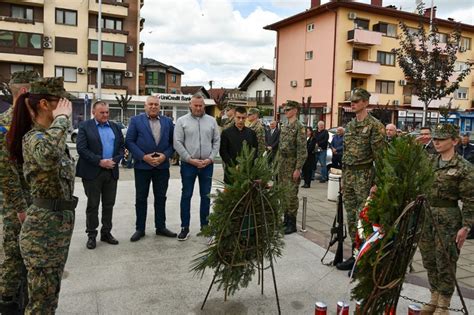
(102, 188)
(308, 167)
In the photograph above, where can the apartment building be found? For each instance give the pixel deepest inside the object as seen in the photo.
(60, 38)
(159, 78)
(328, 50)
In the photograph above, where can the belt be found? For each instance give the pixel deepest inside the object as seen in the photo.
(56, 204)
(439, 203)
(358, 167)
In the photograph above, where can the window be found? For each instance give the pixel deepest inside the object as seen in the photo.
(6, 38)
(385, 58)
(112, 23)
(361, 24)
(384, 87)
(173, 91)
(310, 27)
(108, 48)
(258, 97)
(69, 74)
(20, 40)
(309, 55)
(387, 29)
(412, 31)
(162, 78)
(66, 17)
(20, 12)
(465, 43)
(461, 93)
(63, 44)
(173, 78)
(443, 38)
(149, 91)
(460, 66)
(308, 82)
(112, 78)
(151, 78)
(18, 67)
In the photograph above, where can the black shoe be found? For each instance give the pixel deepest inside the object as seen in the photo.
(346, 265)
(290, 226)
(137, 236)
(8, 307)
(322, 181)
(184, 234)
(108, 238)
(165, 232)
(91, 242)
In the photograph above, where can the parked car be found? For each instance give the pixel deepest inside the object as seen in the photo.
(119, 123)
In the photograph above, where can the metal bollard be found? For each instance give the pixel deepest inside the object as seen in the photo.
(320, 308)
(342, 308)
(303, 219)
(414, 309)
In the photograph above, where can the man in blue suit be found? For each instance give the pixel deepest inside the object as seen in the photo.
(100, 146)
(150, 140)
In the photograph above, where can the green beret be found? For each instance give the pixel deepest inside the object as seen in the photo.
(292, 104)
(360, 94)
(254, 110)
(49, 86)
(22, 77)
(446, 131)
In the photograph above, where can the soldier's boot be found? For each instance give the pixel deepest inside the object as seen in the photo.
(348, 263)
(285, 220)
(8, 306)
(443, 301)
(291, 225)
(429, 309)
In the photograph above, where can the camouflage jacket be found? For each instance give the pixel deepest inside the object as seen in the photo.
(363, 140)
(228, 123)
(14, 187)
(257, 126)
(48, 166)
(292, 145)
(452, 182)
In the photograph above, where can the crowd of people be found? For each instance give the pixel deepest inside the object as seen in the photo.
(38, 173)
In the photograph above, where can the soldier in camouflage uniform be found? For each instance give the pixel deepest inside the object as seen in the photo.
(292, 155)
(454, 181)
(49, 169)
(16, 192)
(256, 125)
(364, 138)
(230, 112)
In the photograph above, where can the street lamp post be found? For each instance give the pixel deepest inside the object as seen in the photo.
(99, 53)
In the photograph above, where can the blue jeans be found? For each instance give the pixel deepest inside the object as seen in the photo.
(321, 158)
(188, 177)
(160, 179)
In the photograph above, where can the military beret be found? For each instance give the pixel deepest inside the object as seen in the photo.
(254, 110)
(49, 86)
(22, 77)
(445, 131)
(292, 104)
(360, 94)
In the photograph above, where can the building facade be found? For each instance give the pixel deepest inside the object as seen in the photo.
(322, 54)
(60, 38)
(259, 85)
(159, 78)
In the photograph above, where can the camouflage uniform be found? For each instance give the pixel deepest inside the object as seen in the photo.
(228, 123)
(257, 126)
(16, 199)
(292, 155)
(46, 233)
(454, 180)
(362, 141)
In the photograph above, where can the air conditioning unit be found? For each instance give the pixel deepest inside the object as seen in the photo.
(129, 48)
(81, 70)
(352, 15)
(462, 49)
(47, 45)
(47, 38)
(396, 102)
(128, 74)
(403, 82)
(294, 83)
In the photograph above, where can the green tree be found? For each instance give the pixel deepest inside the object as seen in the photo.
(427, 65)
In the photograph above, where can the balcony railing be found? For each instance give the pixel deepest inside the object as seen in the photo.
(364, 37)
(261, 100)
(414, 101)
(362, 67)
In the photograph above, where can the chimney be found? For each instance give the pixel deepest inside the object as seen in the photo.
(377, 3)
(315, 3)
(428, 12)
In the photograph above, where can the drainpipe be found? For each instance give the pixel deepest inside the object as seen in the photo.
(275, 104)
(333, 70)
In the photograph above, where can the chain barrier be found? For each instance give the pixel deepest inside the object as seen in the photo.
(458, 310)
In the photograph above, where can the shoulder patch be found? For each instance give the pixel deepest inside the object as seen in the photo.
(3, 129)
(39, 136)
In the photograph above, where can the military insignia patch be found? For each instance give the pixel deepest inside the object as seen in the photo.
(3, 129)
(451, 172)
(39, 136)
(365, 129)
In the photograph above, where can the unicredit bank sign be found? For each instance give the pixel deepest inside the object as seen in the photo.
(174, 98)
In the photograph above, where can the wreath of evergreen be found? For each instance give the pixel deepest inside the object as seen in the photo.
(245, 224)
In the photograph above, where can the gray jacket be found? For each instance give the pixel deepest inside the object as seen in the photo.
(196, 137)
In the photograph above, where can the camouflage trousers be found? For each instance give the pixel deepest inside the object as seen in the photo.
(356, 188)
(438, 266)
(12, 267)
(285, 175)
(44, 241)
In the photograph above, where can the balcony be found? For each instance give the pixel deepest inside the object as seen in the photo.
(20, 25)
(414, 101)
(26, 2)
(22, 58)
(109, 7)
(108, 65)
(364, 37)
(107, 35)
(362, 67)
(374, 98)
(267, 100)
(429, 46)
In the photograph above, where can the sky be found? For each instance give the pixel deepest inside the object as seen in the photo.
(221, 40)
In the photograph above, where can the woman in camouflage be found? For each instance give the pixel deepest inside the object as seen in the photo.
(447, 227)
(41, 119)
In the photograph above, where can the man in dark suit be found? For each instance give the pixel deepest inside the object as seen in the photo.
(272, 138)
(100, 146)
(150, 140)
